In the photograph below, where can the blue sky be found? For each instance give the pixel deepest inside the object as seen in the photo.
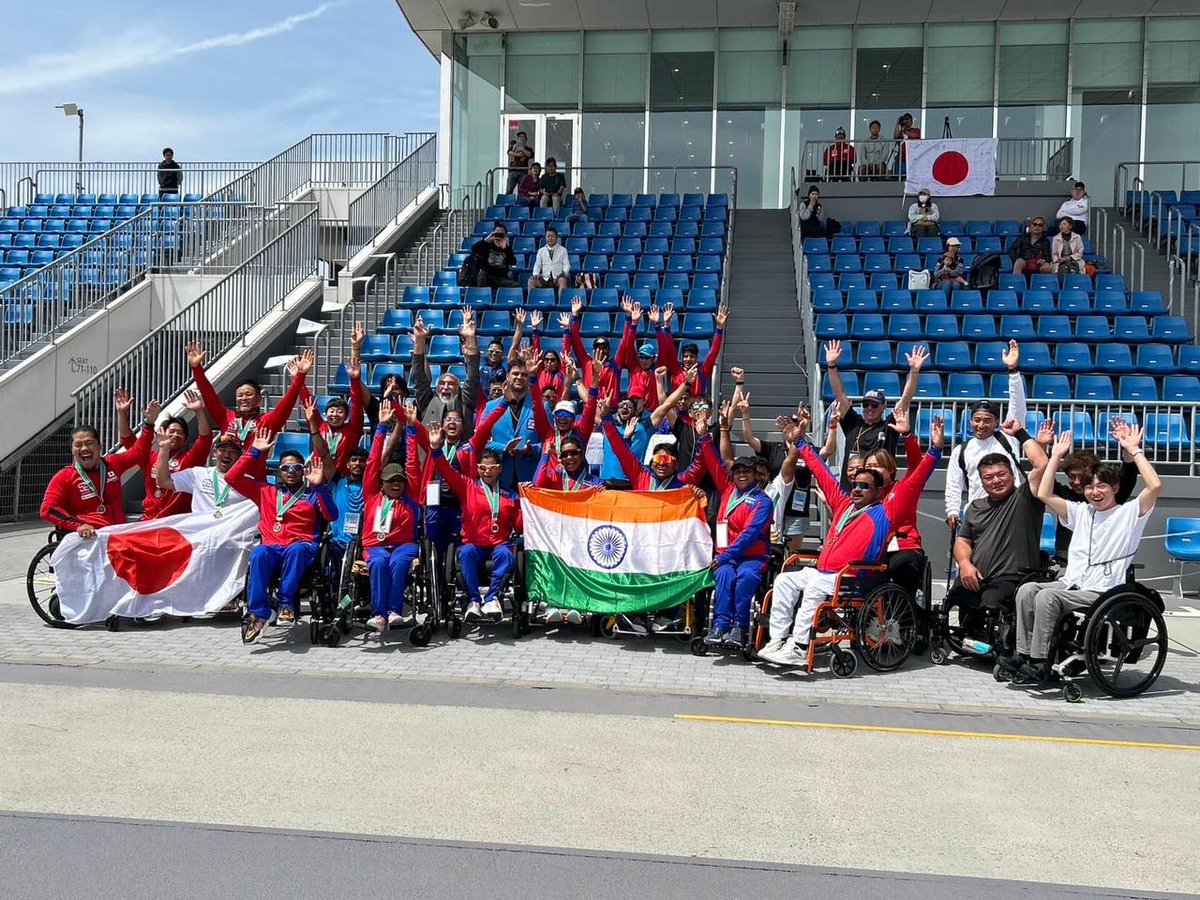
(216, 80)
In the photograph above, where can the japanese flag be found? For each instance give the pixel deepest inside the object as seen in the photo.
(186, 565)
(952, 168)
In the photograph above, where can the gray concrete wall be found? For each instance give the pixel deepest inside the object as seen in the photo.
(851, 202)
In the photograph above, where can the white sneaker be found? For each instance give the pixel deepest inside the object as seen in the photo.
(493, 610)
(394, 619)
(554, 615)
(473, 611)
(574, 617)
(771, 649)
(377, 623)
(637, 626)
(793, 655)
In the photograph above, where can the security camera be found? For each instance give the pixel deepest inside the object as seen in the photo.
(466, 21)
(491, 21)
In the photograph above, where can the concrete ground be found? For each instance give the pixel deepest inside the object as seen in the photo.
(563, 765)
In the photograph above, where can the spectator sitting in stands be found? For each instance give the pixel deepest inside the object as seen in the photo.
(923, 216)
(874, 153)
(491, 258)
(905, 131)
(1076, 208)
(950, 270)
(170, 174)
(577, 207)
(520, 155)
(839, 158)
(552, 186)
(528, 192)
(553, 265)
(1066, 249)
(1031, 251)
(813, 222)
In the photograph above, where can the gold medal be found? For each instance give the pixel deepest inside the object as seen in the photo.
(100, 509)
(278, 527)
(495, 526)
(217, 514)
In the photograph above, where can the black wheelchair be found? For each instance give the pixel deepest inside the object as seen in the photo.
(513, 596)
(1120, 641)
(316, 587)
(423, 599)
(961, 624)
(41, 586)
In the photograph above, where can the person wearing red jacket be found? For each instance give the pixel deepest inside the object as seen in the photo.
(341, 428)
(864, 520)
(160, 501)
(566, 423)
(597, 369)
(552, 377)
(744, 515)
(689, 352)
(640, 363)
(247, 414)
(87, 494)
(292, 514)
(490, 517)
(663, 472)
(391, 510)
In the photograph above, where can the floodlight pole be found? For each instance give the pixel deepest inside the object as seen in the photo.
(72, 109)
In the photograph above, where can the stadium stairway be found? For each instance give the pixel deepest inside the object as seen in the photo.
(763, 335)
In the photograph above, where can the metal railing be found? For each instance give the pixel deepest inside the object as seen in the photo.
(635, 180)
(381, 204)
(23, 181)
(1154, 174)
(1044, 159)
(156, 367)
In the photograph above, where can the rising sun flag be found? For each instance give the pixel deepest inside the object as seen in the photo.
(615, 551)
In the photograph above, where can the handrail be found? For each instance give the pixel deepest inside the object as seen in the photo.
(156, 366)
(1122, 169)
(380, 204)
(101, 177)
(1118, 256)
(595, 188)
(1100, 235)
(1174, 262)
(1140, 250)
(1135, 207)
(1046, 158)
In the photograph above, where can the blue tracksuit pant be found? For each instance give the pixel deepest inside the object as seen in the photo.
(736, 585)
(289, 564)
(389, 568)
(471, 560)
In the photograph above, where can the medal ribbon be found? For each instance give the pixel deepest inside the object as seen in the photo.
(88, 479)
(334, 441)
(450, 451)
(734, 502)
(244, 429)
(849, 516)
(219, 495)
(281, 508)
(493, 499)
(383, 516)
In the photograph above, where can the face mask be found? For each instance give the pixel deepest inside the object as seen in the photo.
(924, 198)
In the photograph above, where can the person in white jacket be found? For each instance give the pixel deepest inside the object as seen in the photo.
(553, 265)
(1076, 208)
(962, 471)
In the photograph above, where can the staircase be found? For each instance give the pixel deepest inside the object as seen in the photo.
(764, 331)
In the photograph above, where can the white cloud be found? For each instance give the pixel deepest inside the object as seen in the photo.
(132, 51)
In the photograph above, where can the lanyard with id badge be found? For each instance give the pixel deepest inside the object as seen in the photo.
(723, 525)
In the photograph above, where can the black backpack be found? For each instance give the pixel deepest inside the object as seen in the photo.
(985, 272)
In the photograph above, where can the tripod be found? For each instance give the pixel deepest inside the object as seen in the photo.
(946, 133)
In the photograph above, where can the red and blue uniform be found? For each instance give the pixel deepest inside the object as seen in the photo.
(553, 476)
(342, 440)
(642, 478)
(389, 528)
(641, 381)
(605, 378)
(227, 421)
(158, 503)
(292, 550)
(72, 502)
(747, 516)
(581, 427)
(669, 358)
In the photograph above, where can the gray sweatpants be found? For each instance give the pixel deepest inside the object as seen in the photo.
(1039, 607)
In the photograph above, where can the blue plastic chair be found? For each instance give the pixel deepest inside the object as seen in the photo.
(866, 327)
(1094, 387)
(1038, 303)
(979, 328)
(1171, 330)
(1114, 359)
(964, 385)
(1156, 359)
(832, 327)
(1051, 387)
(1054, 329)
(862, 300)
(929, 384)
(874, 355)
(1182, 545)
(1149, 303)
(941, 327)
(952, 356)
(896, 301)
(989, 356)
(904, 326)
(1137, 387)
(1002, 302)
(1035, 357)
(1165, 430)
(1181, 389)
(1073, 356)
(1018, 328)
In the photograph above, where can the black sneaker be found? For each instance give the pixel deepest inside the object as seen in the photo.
(1033, 673)
(735, 638)
(1011, 663)
(714, 638)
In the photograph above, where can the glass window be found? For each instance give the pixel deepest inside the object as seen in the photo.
(680, 152)
(806, 135)
(1033, 63)
(1174, 52)
(614, 69)
(1032, 121)
(613, 142)
(961, 67)
(542, 71)
(749, 70)
(818, 71)
(1108, 54)
(888, 67)
(749, 141)
(965, 121)
(681, 70)
(476, 108)
(1106, 129)
(1173, 110)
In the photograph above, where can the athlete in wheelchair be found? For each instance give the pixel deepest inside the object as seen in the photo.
(848, 573)
(1050, 616)
(293, 514)
(997, 549)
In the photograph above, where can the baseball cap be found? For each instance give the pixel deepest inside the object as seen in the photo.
(876, 395)
(953, 242)
(600, 342)
(228, 440)
(743, 462)
(564, 408)
(839, 131)
(986, 406)
(649, 348)
(392, 470)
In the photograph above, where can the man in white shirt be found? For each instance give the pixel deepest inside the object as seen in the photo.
(1106, 538)
(211, 494)
(963, 468)
(553, 265)
(1076, 208)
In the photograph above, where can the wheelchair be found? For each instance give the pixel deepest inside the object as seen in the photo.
(690, 625)
(513, 596)
(41, 586)
(760, 609)
(756, 634)
(876, 617)
(1119, 641)
(977, 630)
(422, 598)
(315, 587)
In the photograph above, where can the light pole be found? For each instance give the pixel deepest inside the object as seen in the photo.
(72, 109)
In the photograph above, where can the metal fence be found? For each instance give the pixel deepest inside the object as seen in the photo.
(1144, 175)
(1036, 159)
(634, 180)
(156, 367)
(21, 182)
(382, 202)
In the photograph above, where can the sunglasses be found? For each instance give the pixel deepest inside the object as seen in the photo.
(1038, 224)
(864, 486)
(564, 415)
(488, 465)
(292, 468)
(662, 458)
(872, 404)
(567, 453)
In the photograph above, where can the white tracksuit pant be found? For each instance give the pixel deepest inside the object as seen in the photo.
(814, 586)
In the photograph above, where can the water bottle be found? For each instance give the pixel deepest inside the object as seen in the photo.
(346, 602)
(973, 646)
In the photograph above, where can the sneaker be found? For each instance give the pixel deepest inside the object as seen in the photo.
(736, 638)
(794, 655)
(493, 610)
(473, 611)
(1033, 673)
(714, 637)
(252, 628)
(666, 623)
(574, 617)
(377, 623)
(394, 620)
(554, 615)
(287, 615)
(1010, 663)
(771, 649)
(637, 626)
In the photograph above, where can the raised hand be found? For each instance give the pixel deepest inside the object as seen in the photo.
(311, 415)
(652, 315)
(1012, 356)
(564, 321)
(357, 336)
(410, 410)
(570, 370)
(1131, 439)
(535, 319)
(1045, 433)
(603, 408)
(520, 316)
(937, 432)
(742, 405)
(691, 373)
(577, 307)
(264, 439)
(803, 422)
(917, 357)
(387, 414)
(152, 411)
(315, 476)
(1063, 445)
(833, 353)
(636, 312)
(420, 329)
(1118, 428)
(1011, 427)
(122, 400)
(626, 305)
(900, 423)
(435, 436)
(193, 401)
(195, 354)
(702, 421)
(467, 330)
(667, 313)
(660, 371)
(304, 362)
(738, 373)
(722, 315)
(165, 441)
(724, 411)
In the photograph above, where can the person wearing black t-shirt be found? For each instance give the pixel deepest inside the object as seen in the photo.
(491, 258)
(870, 430)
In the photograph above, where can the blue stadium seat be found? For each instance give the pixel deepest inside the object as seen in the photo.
(1038, 303)
(1078, 283)
(696, 325)
(1110, 282)
(1054, 329)
(884, 281)
(541, 298)
(583, 229)
(1165, 430)
(693, 199)
(873, 355)
(849, 382)
(941, 327)
(1051, 387)
(989, 244)
(1043, 282)
(595, 324)
(1148, 303)
(851, 281)
(1189, 360)
(979, 328)
(929, 384)
(680, 281)
(925, 419)
(1111, 303)
(831, 327)
(684, 246)
(989, 356)
(862, 300)
(902, 243)
(894, 227)
(827, 301)
(904, 326)
(1074, 302)
(651, 262)
(932, 302)
(866, 327)
(1002, 302)
(494, 323)
(1093, 387)
(607, 229)
(1073, 357)
(965, 301)
(888, 382)
(1114, 359)
(897, 301)
(908, 262)
(1017, 328)
(648, 281)
(870, 244)
(876, 262)
(1130, 330)
(618, 281)
(1035, 357)
(378, 347)
(1015, 283)
(1171, 330)
(964, 385)
(1078, 422)
(1156, 359)
(704, 299)
(847, 263)
(443, 348)
(677, 262)
(952, 356)
(445, 278)
(659, 246)
(1137, 387)
(604, 299)
(446, 295)
(929, 245)
(873, 229)
(291, 442)
(1181, 389)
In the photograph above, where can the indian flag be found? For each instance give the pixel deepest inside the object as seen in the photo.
(615, 551)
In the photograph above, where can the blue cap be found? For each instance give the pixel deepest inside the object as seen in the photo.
(648, 349)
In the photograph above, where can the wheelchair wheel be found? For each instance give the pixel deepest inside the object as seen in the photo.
(608, 627)
(42, 590)
(419, 635)
(886, 631)
(331, 635)
(454, 627)
(843, 663)
(1072, 692)
(698, 647)
(1125, 644)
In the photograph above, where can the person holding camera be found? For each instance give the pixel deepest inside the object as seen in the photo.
(813, 222)
(905, 131)
(520, 155)
(923, 216)
(490, 261)
(951, 271)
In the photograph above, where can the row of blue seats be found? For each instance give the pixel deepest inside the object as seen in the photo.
(57, 226)
(972, 386)
(882, 262)
(609, 246)
(1156, 204)
(1036, 356)
(606, 298)
(627, 200)
(621, 214)
(599, 263)
(1090, 329)
(999, 302)
(974, 228)
(87, 278)
(887, 281)
(1169, 431)
(843, 244)
(589, 229)
(499, 322)
(111, 199)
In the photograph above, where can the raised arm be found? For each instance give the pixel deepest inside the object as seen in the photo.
(629, 464)
(483, 431)
(419, 369)
(248, 476)
(162, 463)
(1032, 449)
(1016, 384)
(833, 355)
(1045, 488)
(663, 409)
(1131, 442)
(668, 355)
(277, 418)
(541, 421)
(456, 482)
(760, 520)
(916, 361)
(216, 409)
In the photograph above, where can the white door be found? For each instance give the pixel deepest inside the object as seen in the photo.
(550, 135)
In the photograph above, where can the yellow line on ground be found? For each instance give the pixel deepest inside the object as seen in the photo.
(936, 732)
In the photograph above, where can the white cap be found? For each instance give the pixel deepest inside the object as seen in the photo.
(564, 406)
